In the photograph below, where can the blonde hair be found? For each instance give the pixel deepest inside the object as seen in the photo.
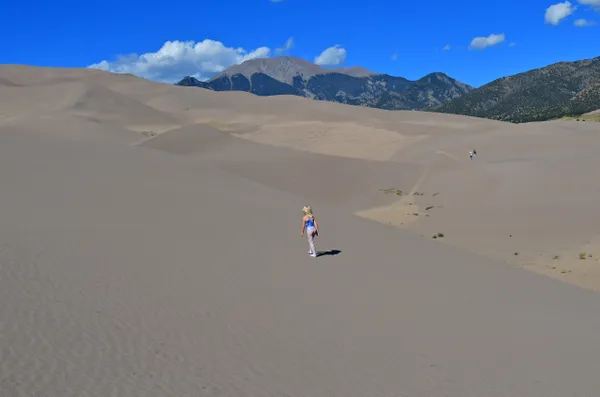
(307, 210)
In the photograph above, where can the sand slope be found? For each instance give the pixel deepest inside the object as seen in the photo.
(134, 264)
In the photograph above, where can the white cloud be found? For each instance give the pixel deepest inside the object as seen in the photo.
(176, 59)
(512, 44)
(395, 56)
(289, 44)
(593, 3)
(332, 56)
(559, 11)
(480, 43)
(581, 23)
(447, 47)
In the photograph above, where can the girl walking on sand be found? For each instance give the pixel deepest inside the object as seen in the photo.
(309, 223)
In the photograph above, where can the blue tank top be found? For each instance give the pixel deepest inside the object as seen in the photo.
(310, 222)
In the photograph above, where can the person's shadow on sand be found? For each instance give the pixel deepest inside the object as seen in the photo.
(330, 253)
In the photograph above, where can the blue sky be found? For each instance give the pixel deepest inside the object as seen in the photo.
(400, 38)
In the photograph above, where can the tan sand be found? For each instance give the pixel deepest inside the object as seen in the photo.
(171, 263)
(336, 139)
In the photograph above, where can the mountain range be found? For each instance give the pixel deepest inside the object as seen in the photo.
(558, 90)
(354, 86)
(554, 91)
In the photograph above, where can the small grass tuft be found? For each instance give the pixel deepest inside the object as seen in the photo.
(516, 253)
(428, 208)
(440, 235)
(555, 257)
(434, 236)
(397, 192)
(582, 255)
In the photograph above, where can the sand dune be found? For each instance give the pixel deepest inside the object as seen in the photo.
(343, 182)
(104, 104)
(150, 246)
(337, 139)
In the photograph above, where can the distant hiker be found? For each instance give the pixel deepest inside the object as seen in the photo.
(474, 153)
(309, 223)
(471, 155)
